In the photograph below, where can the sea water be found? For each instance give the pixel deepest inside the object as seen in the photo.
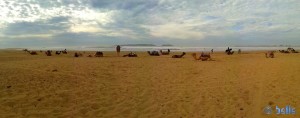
(172, 48)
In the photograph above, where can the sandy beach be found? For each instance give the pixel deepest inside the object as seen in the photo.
(62, 86)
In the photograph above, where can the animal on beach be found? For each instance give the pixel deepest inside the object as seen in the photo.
(77, 54)
(64, 51)
(98, 54)
(288, 50)
(131, 54)
(32, 52)
(203, 56)
(179, 56)
(153, 53)
(292, 50)
(283, 51)
(48, 53)
(57, 52)
(165, 53)
(270, 54)
(229, 51)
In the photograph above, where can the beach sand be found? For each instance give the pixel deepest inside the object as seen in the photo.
(232, 86)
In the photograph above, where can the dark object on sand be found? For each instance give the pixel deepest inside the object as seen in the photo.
(270, 54)
(48, 53)
(54, 70)
(284, 51)
(131, 54)
(32, 52)
(229, 51)
(165, 53)
(76, 54)
(98, 54)
(118, 49)
(57, 52)
(288, 50)
(203, 56)
(153, 53)
(239, 51)
(64, 51)
(179, 56)
(292, 50)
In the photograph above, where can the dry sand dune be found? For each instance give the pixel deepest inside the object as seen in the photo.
(234, 86)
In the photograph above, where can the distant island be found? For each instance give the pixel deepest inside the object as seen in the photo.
(138, 45)
(166, 45)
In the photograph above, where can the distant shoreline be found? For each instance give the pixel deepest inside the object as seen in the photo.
(150, 48)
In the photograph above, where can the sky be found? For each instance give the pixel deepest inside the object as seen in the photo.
(58, 23)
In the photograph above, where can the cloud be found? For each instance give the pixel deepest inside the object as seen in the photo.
(124, 5)
(42, 28)
(176, 31)
(167, 21)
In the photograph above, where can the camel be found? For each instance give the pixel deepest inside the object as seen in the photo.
(64, 51)
(229, 51)
(203, 56)
(131, 54)
(57, 52)
(48, 53)
(77, 54)
(289, 50)
(165, 53)
(32, 52)
(292, 50)
(98, 54)
(26, 50)
(153, 53)
(284, 51)
(179, 56)
(270, 54)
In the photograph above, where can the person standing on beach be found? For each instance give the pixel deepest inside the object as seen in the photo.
(118, 48)
(212, 51)
(239, 51)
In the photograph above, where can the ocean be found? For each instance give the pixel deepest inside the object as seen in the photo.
(173, 48)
